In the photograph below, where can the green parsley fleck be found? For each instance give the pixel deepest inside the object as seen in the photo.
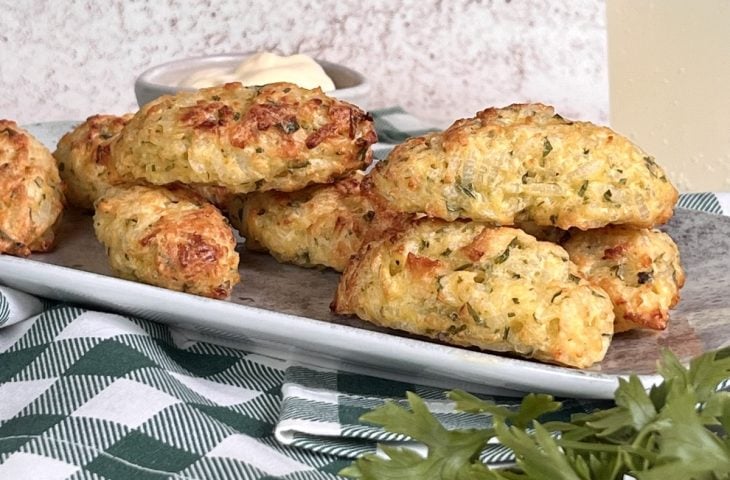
(502, 257)
(547, 147)
(466, 188)
(453, 329)
(583, 188)
(474, 315)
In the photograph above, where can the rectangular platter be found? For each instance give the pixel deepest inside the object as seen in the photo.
(283, 311)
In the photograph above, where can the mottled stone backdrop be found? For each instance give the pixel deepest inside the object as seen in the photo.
(439, 59)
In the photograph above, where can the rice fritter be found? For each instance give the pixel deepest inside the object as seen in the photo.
(31, 193)
(322, 225)
(171, 238)
(278, 136)
(83, 158)
(525, 163)
(468, 284)
(639, 269)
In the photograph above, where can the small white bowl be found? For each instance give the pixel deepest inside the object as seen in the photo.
(350, 85)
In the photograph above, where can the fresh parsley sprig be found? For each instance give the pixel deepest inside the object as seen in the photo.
(678, 429)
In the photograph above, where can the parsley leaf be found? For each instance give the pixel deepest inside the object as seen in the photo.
(678, 429)
(532, 407)
(538, 454)
(451, 454)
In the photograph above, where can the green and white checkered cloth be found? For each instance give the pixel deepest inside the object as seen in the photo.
(96, 395)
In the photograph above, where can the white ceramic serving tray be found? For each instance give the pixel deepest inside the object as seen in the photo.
(283, 311)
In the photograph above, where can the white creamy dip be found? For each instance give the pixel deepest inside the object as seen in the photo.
(263, 68)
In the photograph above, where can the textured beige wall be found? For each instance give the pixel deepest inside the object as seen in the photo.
(440, 60)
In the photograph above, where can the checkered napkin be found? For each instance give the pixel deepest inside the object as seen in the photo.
(95, 395)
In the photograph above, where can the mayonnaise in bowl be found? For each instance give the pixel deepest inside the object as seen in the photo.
(262, 68)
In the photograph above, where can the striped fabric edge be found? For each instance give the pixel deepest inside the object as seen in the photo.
(390, 128)
(4, 309)
(17, 306)
(703, 202)
(352, 448)
(347, 448)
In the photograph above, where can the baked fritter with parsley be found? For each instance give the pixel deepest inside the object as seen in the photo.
(639, 269)
(275, 137)
(322, 225)
(31, 193)
(83, 158)
(469, 284)
(171, 238)
(525, 163)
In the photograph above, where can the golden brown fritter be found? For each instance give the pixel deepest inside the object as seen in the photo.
(639, 269)
(524, 163)
(83, 159)
(31, 193)
(495, 288)
(246, 139)
(322, 225)
(171, 238)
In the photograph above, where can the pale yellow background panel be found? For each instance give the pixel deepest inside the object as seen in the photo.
(669, 76)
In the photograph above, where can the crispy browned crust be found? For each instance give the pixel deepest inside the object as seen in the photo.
(468, 284)
(639, 269)
(171, 238)
(31, 193)
(524, 163)
(83, 159)
(245, 139)
(322, 225)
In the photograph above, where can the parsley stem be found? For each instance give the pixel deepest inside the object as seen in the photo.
(602, 447)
